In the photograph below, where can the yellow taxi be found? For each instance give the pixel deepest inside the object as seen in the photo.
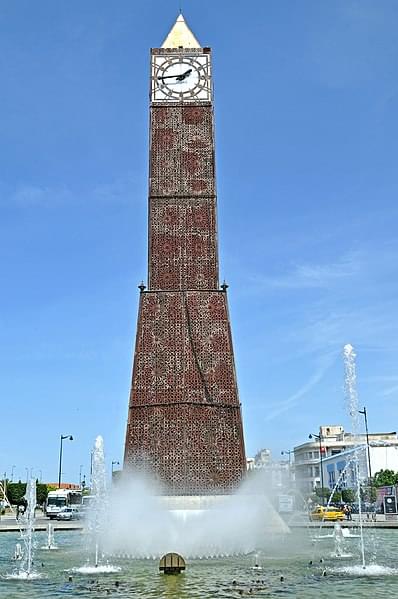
(329, 514)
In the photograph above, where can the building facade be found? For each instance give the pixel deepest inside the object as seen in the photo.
(279, 474)
(184, 425)
(341, 469)
(331, 443)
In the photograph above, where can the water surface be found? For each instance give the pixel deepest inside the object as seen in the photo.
(308, 569)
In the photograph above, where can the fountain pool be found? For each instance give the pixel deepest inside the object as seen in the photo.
(208, 578)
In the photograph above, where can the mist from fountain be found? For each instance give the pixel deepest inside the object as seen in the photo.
(146, 524)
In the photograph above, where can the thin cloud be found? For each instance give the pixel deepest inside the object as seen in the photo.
(31, 195)
(120, 191)
(362, 266)
(390, 391)
(317, 275)
(291, 401)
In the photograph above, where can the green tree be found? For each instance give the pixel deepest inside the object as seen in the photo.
(16, 493)
(372, 494)
(41, 493)
(385, 478)
(323, 493)
(336, 498)
(348, 495)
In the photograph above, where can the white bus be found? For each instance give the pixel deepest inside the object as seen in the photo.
(60, 498)
(87, 501)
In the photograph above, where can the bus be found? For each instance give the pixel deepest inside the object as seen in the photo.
(60, 498)
(87, 501)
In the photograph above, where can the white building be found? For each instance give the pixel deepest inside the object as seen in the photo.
(332, 440)
(341, 469)
(263, 458)
(278, 473)
(250, 463)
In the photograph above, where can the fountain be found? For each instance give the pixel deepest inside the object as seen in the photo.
(97, 514)
(27, 526)
(340, 534)
(18, 553)
(353, 408)
(50, 545)
(226, 530)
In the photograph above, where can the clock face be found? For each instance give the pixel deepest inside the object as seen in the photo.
(181, 78)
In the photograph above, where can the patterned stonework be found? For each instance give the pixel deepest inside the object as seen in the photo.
(184, 424)
(182, 151)
(182, 244)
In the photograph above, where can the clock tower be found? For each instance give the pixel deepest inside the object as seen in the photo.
(184, 423)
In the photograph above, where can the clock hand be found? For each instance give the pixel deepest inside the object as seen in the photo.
(176, 77)
(167, 77)
(184, 75)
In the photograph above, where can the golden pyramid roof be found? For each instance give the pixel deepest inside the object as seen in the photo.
(180, 35)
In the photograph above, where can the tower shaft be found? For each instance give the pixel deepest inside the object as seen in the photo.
(184, 425)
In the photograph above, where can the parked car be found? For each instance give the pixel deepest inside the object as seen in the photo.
(329, 514)
(69, 513)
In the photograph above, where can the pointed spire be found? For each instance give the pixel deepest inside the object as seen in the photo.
(180, 35)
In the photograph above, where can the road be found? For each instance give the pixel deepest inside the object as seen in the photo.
(8, 523)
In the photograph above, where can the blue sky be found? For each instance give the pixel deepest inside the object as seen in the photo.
(307, 145)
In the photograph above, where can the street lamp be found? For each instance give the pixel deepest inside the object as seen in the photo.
(40, 475)
(363, 412)
(12, 472)
(289, 453)
(60, 457)
(80, 475)
(319, 437)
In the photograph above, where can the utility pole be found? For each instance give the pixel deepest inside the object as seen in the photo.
(364, 413)
(319, 437)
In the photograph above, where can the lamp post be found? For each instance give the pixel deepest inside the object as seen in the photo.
(80, 475)
(12, 472)
(289, 453)
(62, 437)
(113, 463)
(364, 413)
(319, 437)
